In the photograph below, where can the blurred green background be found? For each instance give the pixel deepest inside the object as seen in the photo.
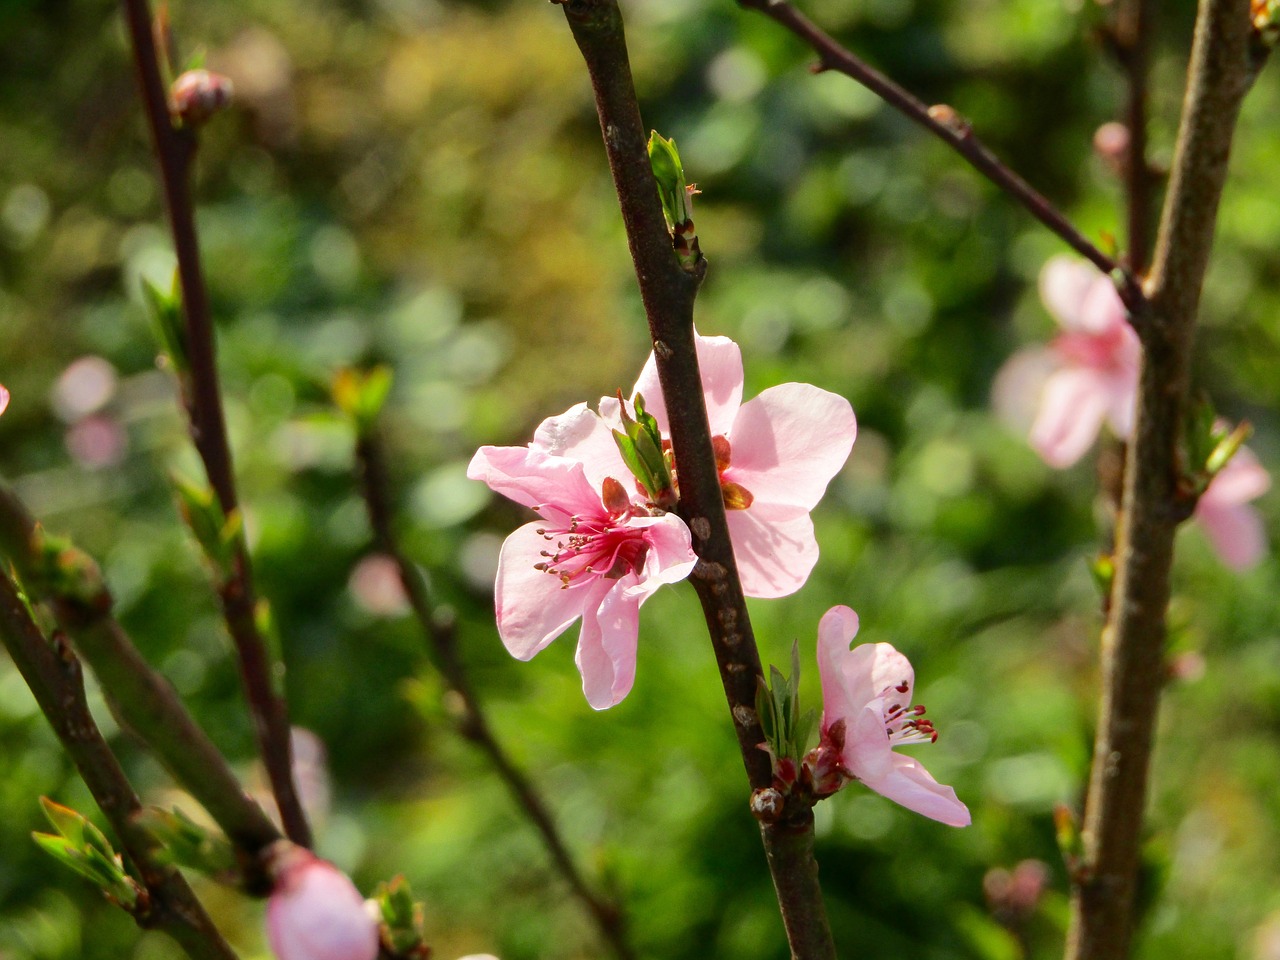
(422, 184)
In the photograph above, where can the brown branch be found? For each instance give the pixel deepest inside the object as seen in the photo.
(175, 150)
(473, 724)
(53, 673)
(1133, 43)
(141, 699)
(668, 293)
(1133, 641)
(943, 122)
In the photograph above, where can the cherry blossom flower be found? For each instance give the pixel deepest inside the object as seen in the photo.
(4, 398)
(866, 713)
(1087, 375)
(776, 454)
(595, 553)
(1232, 526)
(315, 912)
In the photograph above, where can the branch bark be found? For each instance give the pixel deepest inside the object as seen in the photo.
(53, 673)
(140, 697)
(1154, 504)
(473, 724)
(175, 151)
(948, 126)
(668, 292)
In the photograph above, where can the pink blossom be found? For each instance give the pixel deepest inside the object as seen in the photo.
(866, 713)
(315, 912)
(595, 552)
(1232, 526)
(776, 453)
(4, 398)
(1087, 375)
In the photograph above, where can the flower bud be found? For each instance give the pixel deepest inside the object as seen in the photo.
(1111, 144)
(4, 398)
(197, 95)
(315, 912)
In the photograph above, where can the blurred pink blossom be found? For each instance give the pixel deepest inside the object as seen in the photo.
(866, 713)
(4, 398)
(596, 552)
(315, 912)
(1223, 511)
(1087, 375)
(776, 454)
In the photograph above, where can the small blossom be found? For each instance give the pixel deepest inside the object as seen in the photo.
(776, 455)
(1087, 375)
(866, 713)
(596, 553)
(1223, 511)
(315, 912)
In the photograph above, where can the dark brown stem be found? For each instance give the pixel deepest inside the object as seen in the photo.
(472, 722)
(668, 291)
(943, 122)
(53, 673)
(175, 150)
(1133, 640)
(1133, 40)
(142, 700)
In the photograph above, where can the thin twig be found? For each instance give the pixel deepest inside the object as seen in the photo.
(668, 291)
(1154, 503)
(473, 724)
(1133, 44)
(141, 698)
(53, 673)
(175, 150)
(948, 126)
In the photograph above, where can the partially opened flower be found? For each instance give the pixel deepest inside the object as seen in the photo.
(1223, 511)
(866, 713)
(314, 911)
(776, 455)
(1087, 376)
(596, 553)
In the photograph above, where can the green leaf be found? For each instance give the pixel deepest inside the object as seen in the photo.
(361, 394)
(188, 844)
(165, 311)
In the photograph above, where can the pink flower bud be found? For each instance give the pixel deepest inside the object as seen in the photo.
(315, 912)
(4, 398)
(197, 95)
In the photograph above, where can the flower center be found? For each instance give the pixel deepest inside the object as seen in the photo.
(905, 723)
(589, 547)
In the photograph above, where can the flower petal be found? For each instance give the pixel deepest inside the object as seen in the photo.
(909, 784)
(1019, 384)
(532, 477)
(775, 551)
(316, 913)
(1072, 408)
(580, 434)
(606, 655)
(846, 683)
(670, 558)
(720, 363)
(1241, 480)
(1102, 310)
(532, 606)
(4, 398)
(1064, 284)
(1235, 530)
(789, 442)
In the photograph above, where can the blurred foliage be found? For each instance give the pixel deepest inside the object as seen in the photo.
(421, 184)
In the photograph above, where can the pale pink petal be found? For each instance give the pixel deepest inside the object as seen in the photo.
(316, 913)
(720, 363)
(1064, 284)
(891, 675)
(846, 683)
(867, 753)
(532, 478)
(789, 442)
(1241, 480)
(4, 398)
(1121, 391)
(607, 646)
(1018, 385)
(532, 606)
(775, 550)
(1235, 530)
(1072, 408)
(1102, 309)
(909, 784)
(580, 434)
(670, 558)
